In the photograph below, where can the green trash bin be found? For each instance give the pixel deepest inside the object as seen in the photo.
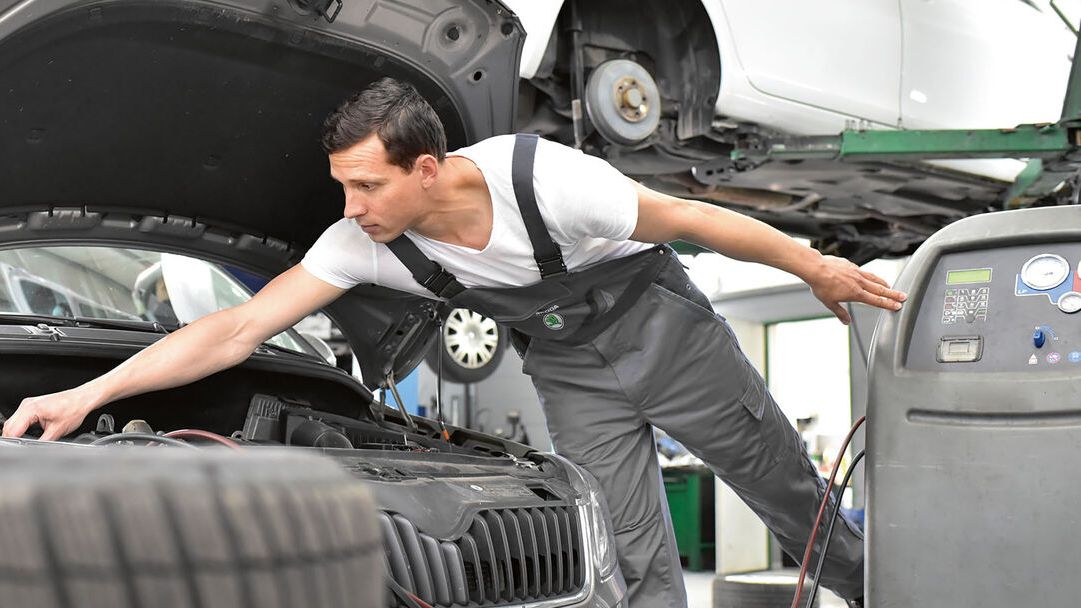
(690, 500)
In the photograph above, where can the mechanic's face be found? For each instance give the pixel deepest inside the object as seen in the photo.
(383, 199)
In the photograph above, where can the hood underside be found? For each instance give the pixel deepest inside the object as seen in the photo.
(213, 110)
(193, 127)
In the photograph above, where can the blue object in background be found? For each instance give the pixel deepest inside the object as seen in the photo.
(856, 515)
(409, 389)
(253, 282)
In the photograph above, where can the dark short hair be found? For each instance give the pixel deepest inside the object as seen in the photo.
(405, 122)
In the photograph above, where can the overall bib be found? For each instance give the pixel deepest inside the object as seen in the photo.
(628, 344)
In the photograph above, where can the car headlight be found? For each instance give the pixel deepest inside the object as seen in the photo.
(606, 541)
(604, 557)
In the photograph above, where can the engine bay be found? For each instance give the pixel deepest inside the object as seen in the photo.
(266, 401)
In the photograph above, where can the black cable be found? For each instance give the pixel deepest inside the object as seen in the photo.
(829, 531)
(806, 561)
(118, 437)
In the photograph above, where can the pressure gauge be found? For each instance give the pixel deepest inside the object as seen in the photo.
(1070, 302)
(1045, 271)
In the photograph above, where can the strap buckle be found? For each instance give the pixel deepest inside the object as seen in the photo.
(439, 281)
(553, 267)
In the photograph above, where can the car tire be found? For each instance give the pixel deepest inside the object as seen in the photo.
(172, 528)
(472, 346)
(758, 590)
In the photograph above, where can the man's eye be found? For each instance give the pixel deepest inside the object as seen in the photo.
(366, 187)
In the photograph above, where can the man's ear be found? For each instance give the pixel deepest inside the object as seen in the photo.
(428, 168)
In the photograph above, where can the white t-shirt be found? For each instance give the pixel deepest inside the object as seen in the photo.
(589, 208)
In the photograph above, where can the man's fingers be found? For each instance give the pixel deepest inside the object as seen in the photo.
(885, 292)
(841, 313)
(880, 301)
(870, 276)
(16, 425)
(53, 431)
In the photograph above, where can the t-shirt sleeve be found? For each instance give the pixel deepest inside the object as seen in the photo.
(339, 257)
(587, 196)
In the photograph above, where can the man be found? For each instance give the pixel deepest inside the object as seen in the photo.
(560, 247)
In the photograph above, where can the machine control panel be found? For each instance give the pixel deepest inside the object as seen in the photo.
(1031, 326)
(965, 305)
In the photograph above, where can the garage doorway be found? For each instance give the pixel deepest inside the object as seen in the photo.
(808, 372)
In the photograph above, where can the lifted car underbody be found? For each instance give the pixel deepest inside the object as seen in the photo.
(859, 211)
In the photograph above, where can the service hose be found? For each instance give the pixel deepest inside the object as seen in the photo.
(151, 437)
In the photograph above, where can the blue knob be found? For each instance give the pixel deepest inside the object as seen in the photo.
(1039, 338)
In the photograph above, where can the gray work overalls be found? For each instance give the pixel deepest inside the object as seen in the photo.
(629, 344)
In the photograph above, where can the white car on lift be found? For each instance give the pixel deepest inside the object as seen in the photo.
(667, 89)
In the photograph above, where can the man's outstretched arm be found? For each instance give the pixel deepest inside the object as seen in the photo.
(210, 344)
(663, 218)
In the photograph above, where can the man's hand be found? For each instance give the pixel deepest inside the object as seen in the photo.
(836, 280)
(58, 414)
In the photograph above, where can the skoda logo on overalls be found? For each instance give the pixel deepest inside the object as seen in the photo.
(553, 321)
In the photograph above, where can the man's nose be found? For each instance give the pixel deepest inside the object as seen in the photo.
(354, 207)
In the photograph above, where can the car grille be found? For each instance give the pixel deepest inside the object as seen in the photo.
(506, 556)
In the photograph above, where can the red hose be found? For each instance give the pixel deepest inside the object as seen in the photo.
(821, 510)
(199, 434)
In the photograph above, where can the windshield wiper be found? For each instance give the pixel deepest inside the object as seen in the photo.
(131, 325)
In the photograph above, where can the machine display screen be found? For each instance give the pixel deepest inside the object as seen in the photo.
(978, 275)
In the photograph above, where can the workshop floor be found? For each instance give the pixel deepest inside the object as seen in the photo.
(700, 592)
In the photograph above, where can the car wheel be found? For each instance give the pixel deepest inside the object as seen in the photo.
(169, 528)
(770, 589)
(623, 102)
(472, 347)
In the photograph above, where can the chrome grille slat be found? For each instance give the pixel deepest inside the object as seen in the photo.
(440, 576)
(532, 551)
(577, 552)
(545, 551)
(474, 579)
(501, 545)
(418, 560)
(557, 549)
(452, 556)
(492, 575)
(517, 553)
(392, 543)
(568, 549)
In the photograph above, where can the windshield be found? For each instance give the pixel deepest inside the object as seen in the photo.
(128, 284)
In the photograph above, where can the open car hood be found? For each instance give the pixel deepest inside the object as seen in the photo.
(193, 126)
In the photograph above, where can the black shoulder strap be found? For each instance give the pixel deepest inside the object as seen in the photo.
(426, 272)
(545, 251)
(549, 259)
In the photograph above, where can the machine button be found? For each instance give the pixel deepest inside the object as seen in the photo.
(1039, 338)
